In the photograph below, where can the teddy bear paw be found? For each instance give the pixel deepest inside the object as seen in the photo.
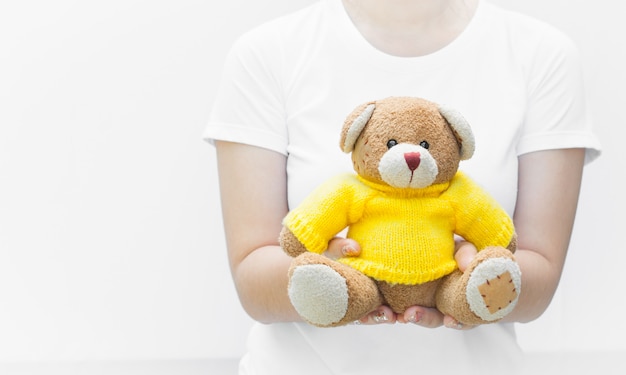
(493, 288)
(319, 294)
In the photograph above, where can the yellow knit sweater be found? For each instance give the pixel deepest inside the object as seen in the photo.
(406, 235)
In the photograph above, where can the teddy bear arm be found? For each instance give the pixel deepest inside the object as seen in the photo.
(290, 243)
(512, 247)
(332, 207)
(480, 219)
(498, 238)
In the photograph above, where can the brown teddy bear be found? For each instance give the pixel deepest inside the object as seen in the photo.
(404, 207)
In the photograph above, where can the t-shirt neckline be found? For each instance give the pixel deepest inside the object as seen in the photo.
(369, 54)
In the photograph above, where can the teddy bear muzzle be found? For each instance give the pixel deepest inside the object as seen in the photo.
(408, 166)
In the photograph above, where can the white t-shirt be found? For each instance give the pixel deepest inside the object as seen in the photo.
(289, 84)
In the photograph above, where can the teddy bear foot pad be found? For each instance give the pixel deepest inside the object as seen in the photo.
(319, 294)
(493, 288)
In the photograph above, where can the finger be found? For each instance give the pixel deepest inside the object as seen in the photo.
(422, 316)
(342, 247)
(450, 322)
(465, 253)
(381, 315)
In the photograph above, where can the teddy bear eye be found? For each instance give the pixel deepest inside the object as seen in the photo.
(425, 144)
(391, 143)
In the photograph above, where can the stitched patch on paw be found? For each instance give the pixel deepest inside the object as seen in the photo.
(499, 292)
(493, 288)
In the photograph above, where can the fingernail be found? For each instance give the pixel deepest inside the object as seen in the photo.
(454, 325)
(348, 250)
(380, 317)
(415, 318)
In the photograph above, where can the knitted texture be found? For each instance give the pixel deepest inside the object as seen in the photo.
(406, 235)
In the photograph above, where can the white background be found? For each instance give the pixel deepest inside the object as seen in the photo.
(111, 242)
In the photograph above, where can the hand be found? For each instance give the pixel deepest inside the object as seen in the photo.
(424, 316)
(345, 247)
(464, 253)
(431, 317)
(340, 247)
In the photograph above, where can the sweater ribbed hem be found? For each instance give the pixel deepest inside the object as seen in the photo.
(398, 276)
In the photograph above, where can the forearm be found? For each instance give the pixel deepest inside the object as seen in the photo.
(539, 282)
(261, 282)
(549, 184)
(253, 213)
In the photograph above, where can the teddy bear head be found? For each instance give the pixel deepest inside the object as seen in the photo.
(406, 142)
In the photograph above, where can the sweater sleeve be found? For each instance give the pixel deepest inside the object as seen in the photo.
(479, 217)
(325, 212)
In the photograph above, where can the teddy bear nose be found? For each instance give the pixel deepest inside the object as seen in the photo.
(412, 160)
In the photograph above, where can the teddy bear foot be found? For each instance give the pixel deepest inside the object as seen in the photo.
(319, 290)
(319, 294)
(493, 286)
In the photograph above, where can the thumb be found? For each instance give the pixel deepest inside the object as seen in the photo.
(340, 247)
(465, 253)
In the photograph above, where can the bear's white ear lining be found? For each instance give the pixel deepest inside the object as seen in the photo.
(462, 129)
(356, 127)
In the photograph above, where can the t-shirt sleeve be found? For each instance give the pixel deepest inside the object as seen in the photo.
(557, 115)
(249, 106)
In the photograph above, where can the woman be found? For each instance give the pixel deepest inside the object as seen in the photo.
(286, 89)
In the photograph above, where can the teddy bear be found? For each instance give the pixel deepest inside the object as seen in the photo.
(406, 205)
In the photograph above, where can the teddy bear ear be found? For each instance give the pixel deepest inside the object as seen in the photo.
(461, 129)
(354, 124)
